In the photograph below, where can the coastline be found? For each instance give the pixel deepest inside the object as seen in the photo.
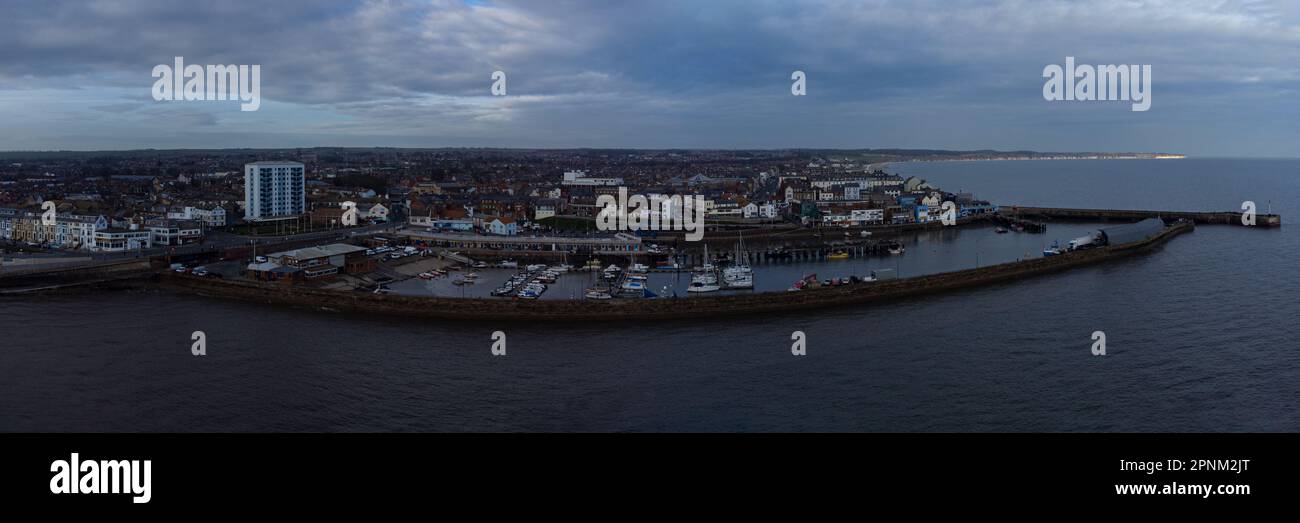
(1135, 156)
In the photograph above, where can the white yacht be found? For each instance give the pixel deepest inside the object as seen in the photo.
(738, 277)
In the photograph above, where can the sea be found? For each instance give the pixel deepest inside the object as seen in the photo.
(1200, 336)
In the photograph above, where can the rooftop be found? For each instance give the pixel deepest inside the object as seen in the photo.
(307, 253)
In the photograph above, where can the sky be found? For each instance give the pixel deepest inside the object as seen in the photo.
(951, 74)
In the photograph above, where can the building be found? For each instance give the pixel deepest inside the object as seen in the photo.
(274, 190)
(375, 212)
(122, 240)
(500, 226)
(70, 231)
(327, 216)
(767, 211)
(580, 178)
(545, 208)
(174, 232)
(313, 263)
(215, 217)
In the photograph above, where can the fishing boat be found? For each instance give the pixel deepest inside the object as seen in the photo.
(837, 255)
(503, 291)
(480, 265)
(426, 276)
(807, 282)
(896, 249)
(1054, 250)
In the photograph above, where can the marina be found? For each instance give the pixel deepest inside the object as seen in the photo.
(918, 253)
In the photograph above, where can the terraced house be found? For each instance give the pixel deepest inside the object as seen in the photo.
(68, 231)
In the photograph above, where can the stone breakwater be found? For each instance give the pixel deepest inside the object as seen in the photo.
(683, 308)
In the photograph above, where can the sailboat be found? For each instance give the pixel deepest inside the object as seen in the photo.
(705, 278)
(739, 275)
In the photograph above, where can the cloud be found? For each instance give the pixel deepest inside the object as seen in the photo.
(672, 73)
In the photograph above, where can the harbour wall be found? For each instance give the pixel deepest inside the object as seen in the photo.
(1222, 218)
(77, 273)
(636, 310)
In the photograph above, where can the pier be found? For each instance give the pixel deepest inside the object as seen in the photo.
(1105, 215)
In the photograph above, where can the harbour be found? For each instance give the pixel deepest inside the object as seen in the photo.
(1003, 357)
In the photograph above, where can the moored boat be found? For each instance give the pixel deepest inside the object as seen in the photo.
(1054, 250)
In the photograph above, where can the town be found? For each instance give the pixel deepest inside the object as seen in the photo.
(492, 223)
(146, 201)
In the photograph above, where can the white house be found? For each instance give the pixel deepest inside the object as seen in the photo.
(501, 226)
(216, 217)
(377, 212)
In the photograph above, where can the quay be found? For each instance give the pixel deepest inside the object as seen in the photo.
(1104, 215)
(480, 309)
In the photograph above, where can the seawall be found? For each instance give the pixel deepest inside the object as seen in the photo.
(1222, 218)
(616, 310)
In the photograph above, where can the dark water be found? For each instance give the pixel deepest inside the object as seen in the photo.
(1201, 337)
